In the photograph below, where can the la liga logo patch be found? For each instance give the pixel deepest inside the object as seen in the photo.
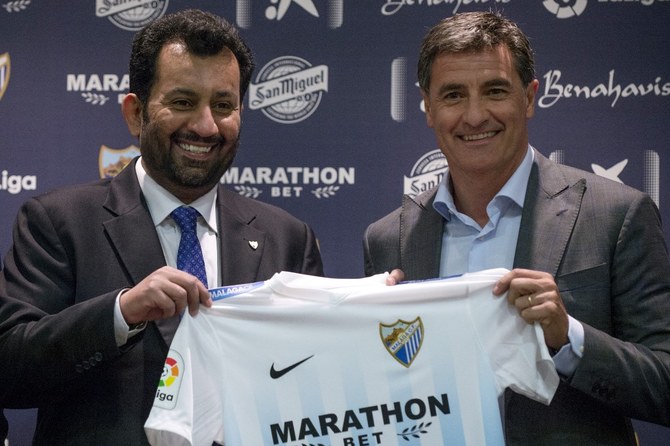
(170, 372)
(168, 386)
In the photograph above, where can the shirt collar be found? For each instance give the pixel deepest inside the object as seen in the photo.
(514, 188)
(161, 203)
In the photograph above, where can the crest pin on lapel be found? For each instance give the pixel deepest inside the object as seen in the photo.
(253, 244)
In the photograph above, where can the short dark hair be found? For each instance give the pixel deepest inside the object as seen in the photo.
(203, 33)
(474, 32)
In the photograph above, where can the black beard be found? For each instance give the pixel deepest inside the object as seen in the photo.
(162, 164)
(194, 173)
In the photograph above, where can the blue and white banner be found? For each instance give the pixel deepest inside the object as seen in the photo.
(333, 128)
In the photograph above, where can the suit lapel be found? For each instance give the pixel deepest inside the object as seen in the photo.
(420, 237)
(131, 231)
(133, 237)
(241, 245)
(549, 214)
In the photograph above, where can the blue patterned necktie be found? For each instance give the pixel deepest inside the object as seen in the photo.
(189, 256)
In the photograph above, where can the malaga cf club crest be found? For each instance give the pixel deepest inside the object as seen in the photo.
(4, 73)
(112, 161)
(402, 339)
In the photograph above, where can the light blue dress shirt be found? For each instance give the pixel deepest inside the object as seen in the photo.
(468, 247)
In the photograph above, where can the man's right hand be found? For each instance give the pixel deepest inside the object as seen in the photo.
(162, 294)
(395, 276)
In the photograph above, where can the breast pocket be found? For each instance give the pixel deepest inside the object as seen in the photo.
(586, 295)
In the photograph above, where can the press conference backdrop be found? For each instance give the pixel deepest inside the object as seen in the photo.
(333, 127)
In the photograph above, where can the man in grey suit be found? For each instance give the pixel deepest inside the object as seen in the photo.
(588, 259)
(92, 271)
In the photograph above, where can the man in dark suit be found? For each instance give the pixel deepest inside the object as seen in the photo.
(590, 263)
(4, 428)
(92, 267)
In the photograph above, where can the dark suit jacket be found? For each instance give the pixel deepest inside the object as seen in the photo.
(73, 250)
(3, 427)
(603, 243)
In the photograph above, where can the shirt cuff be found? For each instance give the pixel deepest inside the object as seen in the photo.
(122, 332)
(568, 357)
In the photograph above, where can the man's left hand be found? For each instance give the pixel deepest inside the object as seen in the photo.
(536, 297)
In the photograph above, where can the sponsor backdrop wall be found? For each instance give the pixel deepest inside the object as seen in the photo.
(333, 128)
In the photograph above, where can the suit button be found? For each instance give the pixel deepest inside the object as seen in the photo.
(85, 365)
(78, 368)
(98, 357)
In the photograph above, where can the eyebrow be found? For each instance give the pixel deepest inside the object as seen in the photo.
(497, 82)
(188, 92)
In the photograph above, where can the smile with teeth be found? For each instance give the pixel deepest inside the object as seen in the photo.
(195, 149)
(478, 136)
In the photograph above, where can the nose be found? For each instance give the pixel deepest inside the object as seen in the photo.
(203, 122)
(476, 112)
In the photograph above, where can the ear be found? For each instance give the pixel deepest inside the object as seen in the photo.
(426, 106)
(531, 92)
(132, 113)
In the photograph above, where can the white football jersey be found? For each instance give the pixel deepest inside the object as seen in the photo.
(300, 360)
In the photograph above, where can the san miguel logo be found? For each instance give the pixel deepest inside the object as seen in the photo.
(131, 15)
(112, 161)
(4, 73)
(427, 173)
(288, 89)
(402, 339)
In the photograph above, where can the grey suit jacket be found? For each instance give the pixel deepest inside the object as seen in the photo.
(603, 243)
(73, 250)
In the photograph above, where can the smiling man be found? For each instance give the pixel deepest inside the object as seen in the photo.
(93, 270)
(588, 258)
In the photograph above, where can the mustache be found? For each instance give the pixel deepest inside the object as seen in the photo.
(194, 137)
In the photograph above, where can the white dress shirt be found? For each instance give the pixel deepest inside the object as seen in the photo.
(161, 203)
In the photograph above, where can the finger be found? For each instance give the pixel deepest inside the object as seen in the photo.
(522, 288)
(526, 301)
(146, 302)
(176, 301)
(198, 297)
(502, 285)
(518, 279)
(505, 282)
(159, 307)
(395, 276)
(554, 324)
(205, 297)
(188, 292)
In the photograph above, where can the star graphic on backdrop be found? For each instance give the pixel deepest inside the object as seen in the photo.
(612, 173)
(307, 5)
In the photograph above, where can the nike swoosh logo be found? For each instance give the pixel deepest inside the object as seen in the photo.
(274, 373)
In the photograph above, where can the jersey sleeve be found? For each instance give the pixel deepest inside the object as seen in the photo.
(187, 408)
(517, 352)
